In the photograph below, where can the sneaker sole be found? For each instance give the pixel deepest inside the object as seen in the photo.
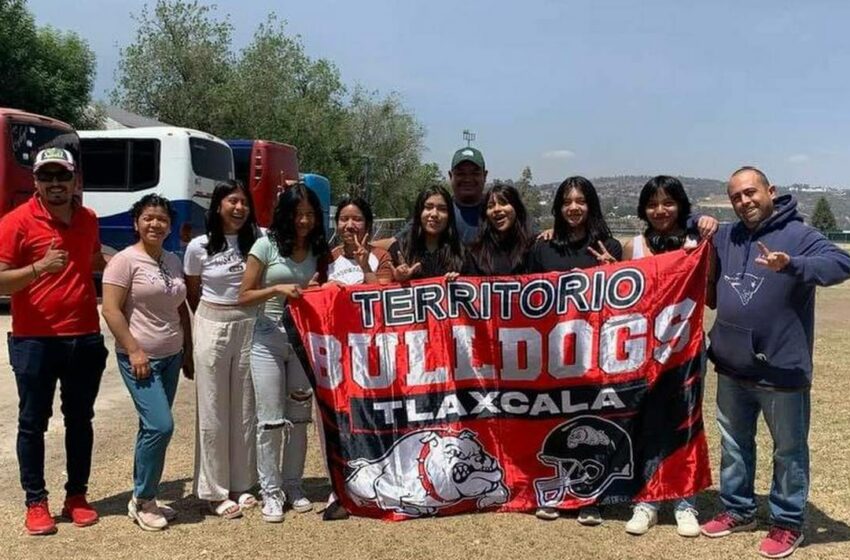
(745, 527)
(144, 526)
(687, 535)
(785, 554)
(639, 532)
(589, 522)
(303, 509)
(42, 532)
(273, 518)
(67, 516)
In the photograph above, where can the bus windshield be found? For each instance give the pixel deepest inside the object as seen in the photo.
(28, 139)
(211, 160)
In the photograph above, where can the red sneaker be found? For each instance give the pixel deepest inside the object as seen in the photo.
(725, 524)
(780, 542)
(79, 511)
(39, 521)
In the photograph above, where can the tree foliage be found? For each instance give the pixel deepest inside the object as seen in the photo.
(178, 67)
(531, 197)
(44, 70)
(822, 217)
(182, 69)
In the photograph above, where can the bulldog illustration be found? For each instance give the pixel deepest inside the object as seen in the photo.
(428, 470)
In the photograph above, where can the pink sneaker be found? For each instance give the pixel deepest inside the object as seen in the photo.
(780, 542)
(725, 524)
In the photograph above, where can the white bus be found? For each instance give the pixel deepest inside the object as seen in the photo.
(121, 166)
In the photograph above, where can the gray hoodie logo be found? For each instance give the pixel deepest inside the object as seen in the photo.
(745, 285)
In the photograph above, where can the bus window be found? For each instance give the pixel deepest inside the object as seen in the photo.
(104, 165)
(144, 164)
(211, 159)
(28, 139)
(120, 165)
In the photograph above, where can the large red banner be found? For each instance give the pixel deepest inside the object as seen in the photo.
(510, 393)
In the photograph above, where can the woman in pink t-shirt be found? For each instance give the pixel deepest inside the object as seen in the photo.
(144, 305)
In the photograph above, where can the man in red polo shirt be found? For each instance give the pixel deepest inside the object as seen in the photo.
(49, 247)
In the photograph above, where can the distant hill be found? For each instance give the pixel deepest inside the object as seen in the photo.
(620, 194)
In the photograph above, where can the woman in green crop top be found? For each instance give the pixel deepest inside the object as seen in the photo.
(293, 255)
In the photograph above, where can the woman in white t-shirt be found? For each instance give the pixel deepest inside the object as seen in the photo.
(144, 305)
(225, 461)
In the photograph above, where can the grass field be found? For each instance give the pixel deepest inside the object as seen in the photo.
(499, 536)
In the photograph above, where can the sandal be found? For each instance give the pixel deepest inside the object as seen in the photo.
(245, 500)
(227, 509)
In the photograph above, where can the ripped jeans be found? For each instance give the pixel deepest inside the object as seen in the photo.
(284, 402)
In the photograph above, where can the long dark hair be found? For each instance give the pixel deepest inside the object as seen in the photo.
(152, 200)
(516, 240)
(450, 252)
(674, 189)
(596, 227)
(247, 234)
(282, 229)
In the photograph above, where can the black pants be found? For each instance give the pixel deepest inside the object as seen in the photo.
(77, 362)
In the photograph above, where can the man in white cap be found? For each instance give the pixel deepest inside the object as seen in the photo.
(49, 247)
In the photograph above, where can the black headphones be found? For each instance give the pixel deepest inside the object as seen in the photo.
(663, 243)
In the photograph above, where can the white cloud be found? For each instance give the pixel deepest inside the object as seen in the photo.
(558, 154)
(799, 158)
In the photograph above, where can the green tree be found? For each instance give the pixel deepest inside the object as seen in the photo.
(44, 70)
(279, 93)
(387, 137)
(822, 217)
(178, 67)
(181, 69)
(531, 197)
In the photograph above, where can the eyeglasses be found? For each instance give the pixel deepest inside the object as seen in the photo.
(165, 275)
(48, 176)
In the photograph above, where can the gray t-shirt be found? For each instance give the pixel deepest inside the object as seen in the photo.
(280, 270)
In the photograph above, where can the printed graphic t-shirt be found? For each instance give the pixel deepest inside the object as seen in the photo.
(155, 292)
(347, 271)
(221, 274)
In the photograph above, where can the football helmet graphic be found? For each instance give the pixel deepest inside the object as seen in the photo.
(588, 453)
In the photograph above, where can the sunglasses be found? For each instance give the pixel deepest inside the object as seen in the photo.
(48, 176)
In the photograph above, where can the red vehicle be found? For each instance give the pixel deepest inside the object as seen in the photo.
(264, 166)
(22, 135)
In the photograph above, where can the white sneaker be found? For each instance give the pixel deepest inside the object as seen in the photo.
(687, 524)
(147, 514)
(300, 503)
(547, 513)
(272, 510)
(643, 518)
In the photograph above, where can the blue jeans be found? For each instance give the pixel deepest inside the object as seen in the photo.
(787, 416)
(152, 397)
(77, 362)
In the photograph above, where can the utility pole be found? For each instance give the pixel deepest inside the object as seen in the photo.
(469, 137)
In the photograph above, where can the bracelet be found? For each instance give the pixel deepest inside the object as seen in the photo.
(34, 271)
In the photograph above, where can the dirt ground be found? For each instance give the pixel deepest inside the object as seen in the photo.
(500, 536)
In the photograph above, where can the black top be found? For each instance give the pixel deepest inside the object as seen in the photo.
(545, 257)
(433, 264)
(501, 265)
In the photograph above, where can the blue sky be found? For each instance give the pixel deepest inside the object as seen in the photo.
(574, 87)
